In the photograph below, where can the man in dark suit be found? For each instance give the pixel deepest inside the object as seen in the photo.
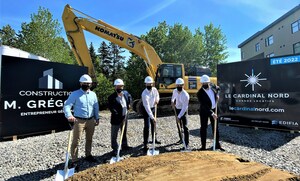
(208, 98)
(119, 104)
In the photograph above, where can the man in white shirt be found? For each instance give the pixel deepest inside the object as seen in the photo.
(150, 98)
(180, 99)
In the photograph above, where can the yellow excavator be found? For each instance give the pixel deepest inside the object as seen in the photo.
(164, 74)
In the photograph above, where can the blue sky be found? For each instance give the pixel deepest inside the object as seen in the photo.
(238, 19)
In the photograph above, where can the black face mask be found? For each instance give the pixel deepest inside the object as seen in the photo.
(85, 87)
(179, 89)
(119, 90)
(205, 86)
(149, 87)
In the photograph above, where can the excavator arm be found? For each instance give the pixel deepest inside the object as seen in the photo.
(75, 24)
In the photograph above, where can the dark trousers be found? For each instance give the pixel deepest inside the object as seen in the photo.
(114, 135)
(147, 123)
(203, 130)
(183, 123)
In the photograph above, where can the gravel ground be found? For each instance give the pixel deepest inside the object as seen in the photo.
(39, 157)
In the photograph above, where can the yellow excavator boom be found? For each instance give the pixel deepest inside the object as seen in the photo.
(75, 24)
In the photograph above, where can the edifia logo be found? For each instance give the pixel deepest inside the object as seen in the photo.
(253, 80)
(48, 81)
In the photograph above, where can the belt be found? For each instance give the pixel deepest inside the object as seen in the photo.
(84, 118)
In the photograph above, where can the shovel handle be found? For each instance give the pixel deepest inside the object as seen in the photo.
(154, 124)
(68, 149)
(121, 136)
(215, 128)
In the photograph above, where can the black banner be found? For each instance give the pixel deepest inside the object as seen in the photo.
(33, 93)
(261, 93)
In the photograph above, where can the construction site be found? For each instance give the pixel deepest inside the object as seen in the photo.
(257, 117)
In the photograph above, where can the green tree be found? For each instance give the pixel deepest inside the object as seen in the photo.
(135, 74)
(214, 43)
(157, 38)
(41, 37)
(105, 59)
(103, 90)
(8, 36)
(178, 45)
(117, 63)
(94, 58)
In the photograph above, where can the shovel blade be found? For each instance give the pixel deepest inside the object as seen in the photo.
(152, 152)
(115, 159)
(61, 175)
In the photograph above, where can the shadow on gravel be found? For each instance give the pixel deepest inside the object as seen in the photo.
(138, 151)
(262, 138)
(39, 175)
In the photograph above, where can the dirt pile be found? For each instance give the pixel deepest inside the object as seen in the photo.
(196, 165)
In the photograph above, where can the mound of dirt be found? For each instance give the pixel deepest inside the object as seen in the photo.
(196, 165)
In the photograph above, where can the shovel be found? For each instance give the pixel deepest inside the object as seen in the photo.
(181, 132)
(152, 151)
(215, 129)
(118, 158)
(66, 172)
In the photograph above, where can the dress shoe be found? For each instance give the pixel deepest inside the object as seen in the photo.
(187, 148)
(90, 158)
(157, 142)
(220, 148)
(202, 148)
(74, 165)
(145, 149)
(114, 153)
(124, 148)
(179, 142)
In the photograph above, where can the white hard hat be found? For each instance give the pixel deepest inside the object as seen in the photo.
(148, 80)
(205, 79)
(179, 81)
(118, 82)
(85, 79)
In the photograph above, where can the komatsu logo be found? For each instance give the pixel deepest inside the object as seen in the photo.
(253, 80)
(114, 35)
(130, 42)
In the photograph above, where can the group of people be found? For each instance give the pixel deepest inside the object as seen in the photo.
(82, 109)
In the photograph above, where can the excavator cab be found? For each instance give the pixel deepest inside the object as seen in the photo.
(167, 74)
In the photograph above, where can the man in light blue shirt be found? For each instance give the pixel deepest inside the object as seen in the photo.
(85, 117)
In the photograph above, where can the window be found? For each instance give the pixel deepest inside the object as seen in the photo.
(257, 47)
(296, 48)
(242, 55)
(296, 26)
(196, 70)
(269, 40)
(270, 55)
(168, 73)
